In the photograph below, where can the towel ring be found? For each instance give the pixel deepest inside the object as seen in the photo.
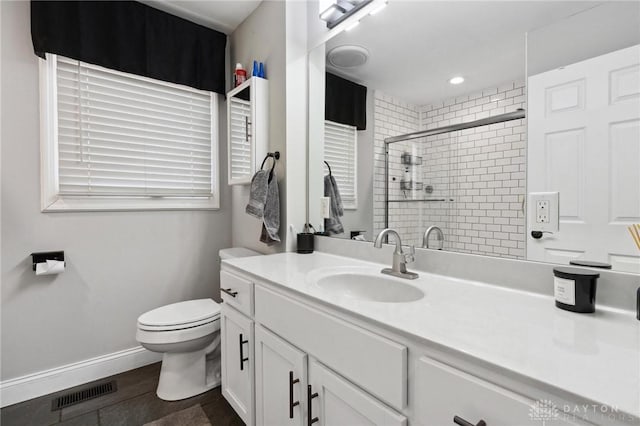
(276, 156)
(329, 167)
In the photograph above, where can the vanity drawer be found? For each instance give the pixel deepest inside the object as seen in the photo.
(239, 292)
(373, 362)
(443, 392)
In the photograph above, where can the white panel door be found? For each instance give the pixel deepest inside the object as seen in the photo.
(237, 362)
(281, 381)
(336, 402)
(584, 142)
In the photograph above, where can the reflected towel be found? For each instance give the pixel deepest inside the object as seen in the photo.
(333, 225)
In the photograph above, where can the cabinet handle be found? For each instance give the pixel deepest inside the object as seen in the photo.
(462, 422)
(229, 292)
(246, 129)
(310, 395)
(242, 358)
(292, 403)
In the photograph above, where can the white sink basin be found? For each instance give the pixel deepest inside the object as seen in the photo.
(365, 284)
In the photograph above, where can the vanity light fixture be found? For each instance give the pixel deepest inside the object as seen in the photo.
(333, 7)
(457, 80)
(334, 12)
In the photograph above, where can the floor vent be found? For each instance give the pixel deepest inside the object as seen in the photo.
(82, 395)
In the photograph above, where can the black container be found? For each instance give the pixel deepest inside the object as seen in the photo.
(305, 242)
(575, 289)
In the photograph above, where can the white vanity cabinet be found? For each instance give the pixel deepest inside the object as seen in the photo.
(445, 392)
(334, 401)
(281, 381)
(238, 362)
(293, 388)
(315, 365)
(237, 336)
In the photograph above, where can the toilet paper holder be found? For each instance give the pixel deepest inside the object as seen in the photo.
(43, 256)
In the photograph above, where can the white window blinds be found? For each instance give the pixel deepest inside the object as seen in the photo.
(340, 151)
(129, 136)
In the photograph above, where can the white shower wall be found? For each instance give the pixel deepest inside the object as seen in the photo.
(481, 169)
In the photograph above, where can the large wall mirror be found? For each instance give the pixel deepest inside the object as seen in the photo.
(508, 129)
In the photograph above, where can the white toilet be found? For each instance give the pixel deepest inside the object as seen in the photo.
(188, 334)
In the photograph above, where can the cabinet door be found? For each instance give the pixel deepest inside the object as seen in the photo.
(336, 402)
(237, 362)
(281, 372)
(444, 392)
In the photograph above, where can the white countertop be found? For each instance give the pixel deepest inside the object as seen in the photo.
(595, 356)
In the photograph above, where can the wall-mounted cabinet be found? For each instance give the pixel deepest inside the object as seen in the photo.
(247, 129)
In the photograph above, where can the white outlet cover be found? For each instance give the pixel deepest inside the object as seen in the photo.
(553, 213)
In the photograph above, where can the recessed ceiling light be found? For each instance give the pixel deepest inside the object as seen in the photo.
(456, 80)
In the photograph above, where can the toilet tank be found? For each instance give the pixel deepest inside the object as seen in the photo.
(235, 252)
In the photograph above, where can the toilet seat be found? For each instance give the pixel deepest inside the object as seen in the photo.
(179, 316)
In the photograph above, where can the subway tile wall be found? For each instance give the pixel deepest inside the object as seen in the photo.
(480, 172)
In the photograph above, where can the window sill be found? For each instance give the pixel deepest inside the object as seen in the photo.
(86, 204)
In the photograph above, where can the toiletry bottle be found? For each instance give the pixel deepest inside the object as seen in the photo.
(261, 71)
(239, 75)
(255, 69)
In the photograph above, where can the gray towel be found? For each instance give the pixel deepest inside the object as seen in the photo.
(258, 194)
(333, 225)
(271, 216)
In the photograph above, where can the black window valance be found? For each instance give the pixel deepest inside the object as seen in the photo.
(131, 37)
(345, 102)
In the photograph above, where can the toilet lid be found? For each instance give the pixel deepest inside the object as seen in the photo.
(181, 313)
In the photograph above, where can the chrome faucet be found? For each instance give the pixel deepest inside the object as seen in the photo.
(427, 234)
(400, 259)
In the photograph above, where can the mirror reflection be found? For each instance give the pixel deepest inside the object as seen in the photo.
(514, 133)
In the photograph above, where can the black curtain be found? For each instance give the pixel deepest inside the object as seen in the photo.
(345, 102)
(131, 37)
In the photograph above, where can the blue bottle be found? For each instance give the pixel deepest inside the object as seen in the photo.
(261, 71)
(255, 69)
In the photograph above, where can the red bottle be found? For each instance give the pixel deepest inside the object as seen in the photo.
(239, 75)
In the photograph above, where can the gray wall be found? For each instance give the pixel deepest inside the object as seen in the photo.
(262, 37)
(120, 264)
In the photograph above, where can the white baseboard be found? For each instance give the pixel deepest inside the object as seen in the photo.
(23, 388)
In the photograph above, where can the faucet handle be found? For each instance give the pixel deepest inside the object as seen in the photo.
(410, 257)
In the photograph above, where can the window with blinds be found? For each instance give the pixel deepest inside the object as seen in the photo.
(125, 136)
(340, 151)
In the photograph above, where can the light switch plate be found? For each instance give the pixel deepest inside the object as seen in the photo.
(325, 207)
(544, 211)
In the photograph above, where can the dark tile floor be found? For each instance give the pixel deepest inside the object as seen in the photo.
(133, 404)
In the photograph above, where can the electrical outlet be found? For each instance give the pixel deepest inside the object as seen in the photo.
(542, 211)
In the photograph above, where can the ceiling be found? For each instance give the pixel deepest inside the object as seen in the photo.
(221, 15)
(417, 46)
